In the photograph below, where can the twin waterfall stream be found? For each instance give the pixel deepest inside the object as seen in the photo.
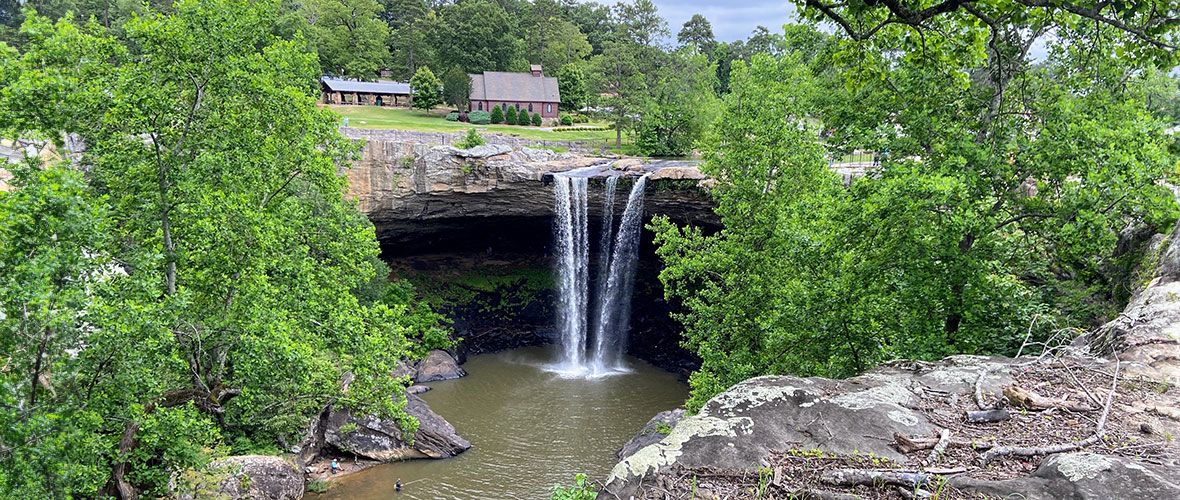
(593, 327)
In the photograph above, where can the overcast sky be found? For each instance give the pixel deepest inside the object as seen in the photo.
(731, 20)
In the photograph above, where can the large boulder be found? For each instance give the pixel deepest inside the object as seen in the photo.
(1083, 476)
(741, 427)
(655, 430)
(253, 477)
(378, 439)
(438, 365)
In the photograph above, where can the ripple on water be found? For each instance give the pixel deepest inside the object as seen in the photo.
(530, 425)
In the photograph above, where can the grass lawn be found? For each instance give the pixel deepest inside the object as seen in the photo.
(407, 119)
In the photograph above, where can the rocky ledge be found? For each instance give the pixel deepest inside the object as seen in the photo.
(1071, 422)
(415, 192)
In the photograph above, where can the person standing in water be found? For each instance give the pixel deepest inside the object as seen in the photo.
(397, 486)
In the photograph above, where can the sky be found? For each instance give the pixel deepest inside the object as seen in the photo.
(731, 20)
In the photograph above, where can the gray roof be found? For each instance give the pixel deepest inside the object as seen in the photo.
(366, 87)
(513, 87)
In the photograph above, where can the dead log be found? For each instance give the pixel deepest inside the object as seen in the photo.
(910, 444)
(1023, 398)
(875, 478)
(988, 417)
(944, 439)
(807, 494)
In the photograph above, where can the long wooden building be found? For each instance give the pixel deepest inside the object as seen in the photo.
(337, 91)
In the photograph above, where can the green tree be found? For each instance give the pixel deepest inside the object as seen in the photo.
(571, 84)
(510, 116)
(680, 105)
(621, 83)
(225, 305)
(350, 39)
(566, 45)
(425, 90)
(497, 115)
(698, 34)
(536, 119)
(409, 23)
(1001, 191)
(457, 89)
(477, 36)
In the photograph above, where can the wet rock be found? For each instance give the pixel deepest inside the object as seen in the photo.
(1083, 476)
(254, 477)
(438, 365)
(678, 173)
(653, 432)
(383, 440)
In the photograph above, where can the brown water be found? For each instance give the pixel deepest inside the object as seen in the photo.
(529, 429)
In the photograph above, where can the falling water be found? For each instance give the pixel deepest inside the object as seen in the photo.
(602, 353)
(614, 309)
(573, 256)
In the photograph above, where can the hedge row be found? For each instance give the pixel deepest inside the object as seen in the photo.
(580, 129)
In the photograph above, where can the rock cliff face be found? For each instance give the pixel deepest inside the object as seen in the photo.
(423, 196)
(1108, 431)
(242, 477)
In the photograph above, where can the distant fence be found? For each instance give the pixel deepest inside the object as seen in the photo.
(446, 139)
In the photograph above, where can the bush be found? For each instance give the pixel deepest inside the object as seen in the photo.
(581, 490)
(497, 115)
(473, 139)
(480, 117)
(510, 117)
(580, 129)
(581, 119)
(565, 120)
(453, 116)
(536, 119)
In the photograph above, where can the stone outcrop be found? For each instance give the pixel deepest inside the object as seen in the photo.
(655, 430)
(1147, 334)
(252, 477)
(438, 365)
(1083, 476)
(751, 424)
(383, 440)
(415, 191)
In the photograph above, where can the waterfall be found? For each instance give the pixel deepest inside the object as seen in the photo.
(573, 263)
(614, 309)
(618, 255)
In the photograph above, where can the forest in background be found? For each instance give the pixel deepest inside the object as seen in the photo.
(197, 281)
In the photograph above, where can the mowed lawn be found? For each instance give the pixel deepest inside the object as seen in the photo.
(407, 119)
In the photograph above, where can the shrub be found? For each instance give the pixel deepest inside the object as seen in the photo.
(473, 139)
(536, 119)
(581, 119)
(453, 116)
(581, 490)
(510, 117)
(565, 120)
(480, 117)
(497, 115)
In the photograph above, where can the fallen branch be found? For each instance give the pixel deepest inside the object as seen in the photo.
(803, 494)
(906, 444)
(876, 478)
(1099, 433)
(988, 417)
(944, 439)
(1023, 398)
(1093, 399)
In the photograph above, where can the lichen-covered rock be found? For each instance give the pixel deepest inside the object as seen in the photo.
(383, 440)
(1083, 476)
(740, 427)
(659, 426)
(253, 477)
(1147, 334)
(438, 365)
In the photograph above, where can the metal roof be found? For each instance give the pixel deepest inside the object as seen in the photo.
(336, 85)
(513, 87)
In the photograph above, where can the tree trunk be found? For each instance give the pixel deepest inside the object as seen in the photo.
(955, 316)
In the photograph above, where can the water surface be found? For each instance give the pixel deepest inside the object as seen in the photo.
(529, 428)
